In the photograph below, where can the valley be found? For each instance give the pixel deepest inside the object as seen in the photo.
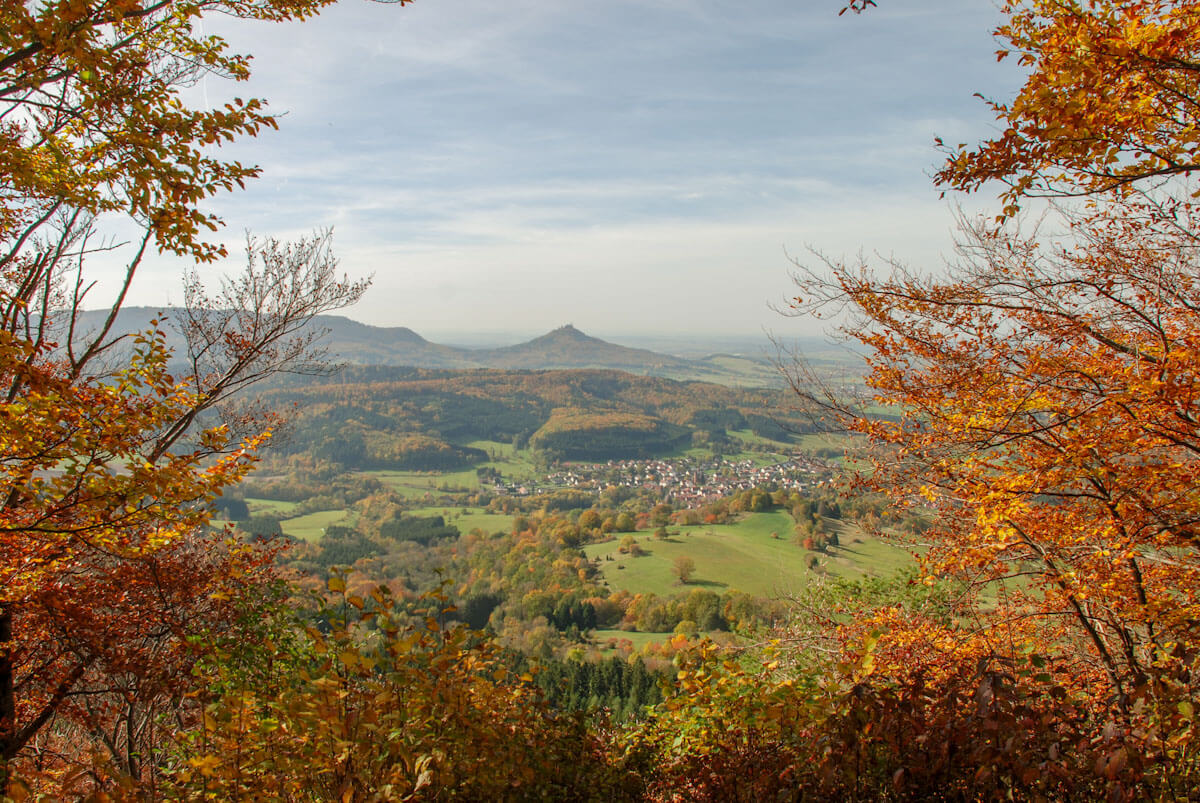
(559, 504)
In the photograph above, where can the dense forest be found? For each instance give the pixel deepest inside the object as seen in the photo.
(398, 418)
(1040, 443)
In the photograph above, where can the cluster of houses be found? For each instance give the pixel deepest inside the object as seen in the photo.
(683, 481)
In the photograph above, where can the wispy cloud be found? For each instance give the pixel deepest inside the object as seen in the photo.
(636, 163)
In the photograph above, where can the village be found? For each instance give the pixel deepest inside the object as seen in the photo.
(683, 481)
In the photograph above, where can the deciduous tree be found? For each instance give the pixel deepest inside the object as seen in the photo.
(93, 119)
(684, 568)
(106, 487)
(1045, 387)
(108, 461)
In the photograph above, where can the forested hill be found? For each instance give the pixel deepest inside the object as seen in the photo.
(424, 418)
(357, 343)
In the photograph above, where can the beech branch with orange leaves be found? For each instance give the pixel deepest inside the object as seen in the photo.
(1111, 101)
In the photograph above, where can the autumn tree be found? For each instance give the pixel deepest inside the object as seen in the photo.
(109, 461)
(1046, 410)
(94, 120)
(684, 568)
(106, 490)
(1044, 390)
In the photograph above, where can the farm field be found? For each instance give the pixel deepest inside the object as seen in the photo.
(824, 440)
(777, 449)
(745, 438)
(312, 526)
(744, 371)
(513, 463)
(742, 557)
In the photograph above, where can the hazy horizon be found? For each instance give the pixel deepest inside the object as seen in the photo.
(673, 342)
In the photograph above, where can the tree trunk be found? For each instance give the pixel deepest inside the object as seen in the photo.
(8, 704)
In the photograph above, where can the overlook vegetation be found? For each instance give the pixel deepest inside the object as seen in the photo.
(1030, 432)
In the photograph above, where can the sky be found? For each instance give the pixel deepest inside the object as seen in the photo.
(628, 167)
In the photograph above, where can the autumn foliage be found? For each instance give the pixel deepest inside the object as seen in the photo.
(1047, 413)
(1109, 102)
(1042, 400)
(377, 705)
(93, 117)
(102, 565)
(108, 460)
(1044, 395)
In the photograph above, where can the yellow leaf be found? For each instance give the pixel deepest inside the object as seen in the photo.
(206, 764)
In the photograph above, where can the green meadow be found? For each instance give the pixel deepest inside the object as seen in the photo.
(274, 507)
(744, 556)
(473, 518)
(312, 526)
(416, 484)
(513, 463)
(602, 637)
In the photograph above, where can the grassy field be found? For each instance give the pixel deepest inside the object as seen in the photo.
(465, 522)
(746, 372)
(312, 526)
(272, 506)
(742, 556)
(739, 436)
(415, 484)
(778, 450)
(824, 440)
(513, 463)
(639, 640)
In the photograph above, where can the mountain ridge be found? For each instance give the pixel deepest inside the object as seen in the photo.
(565, 347)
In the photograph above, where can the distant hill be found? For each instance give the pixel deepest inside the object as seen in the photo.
(563, 348)
(567, 347)
(361, 344)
